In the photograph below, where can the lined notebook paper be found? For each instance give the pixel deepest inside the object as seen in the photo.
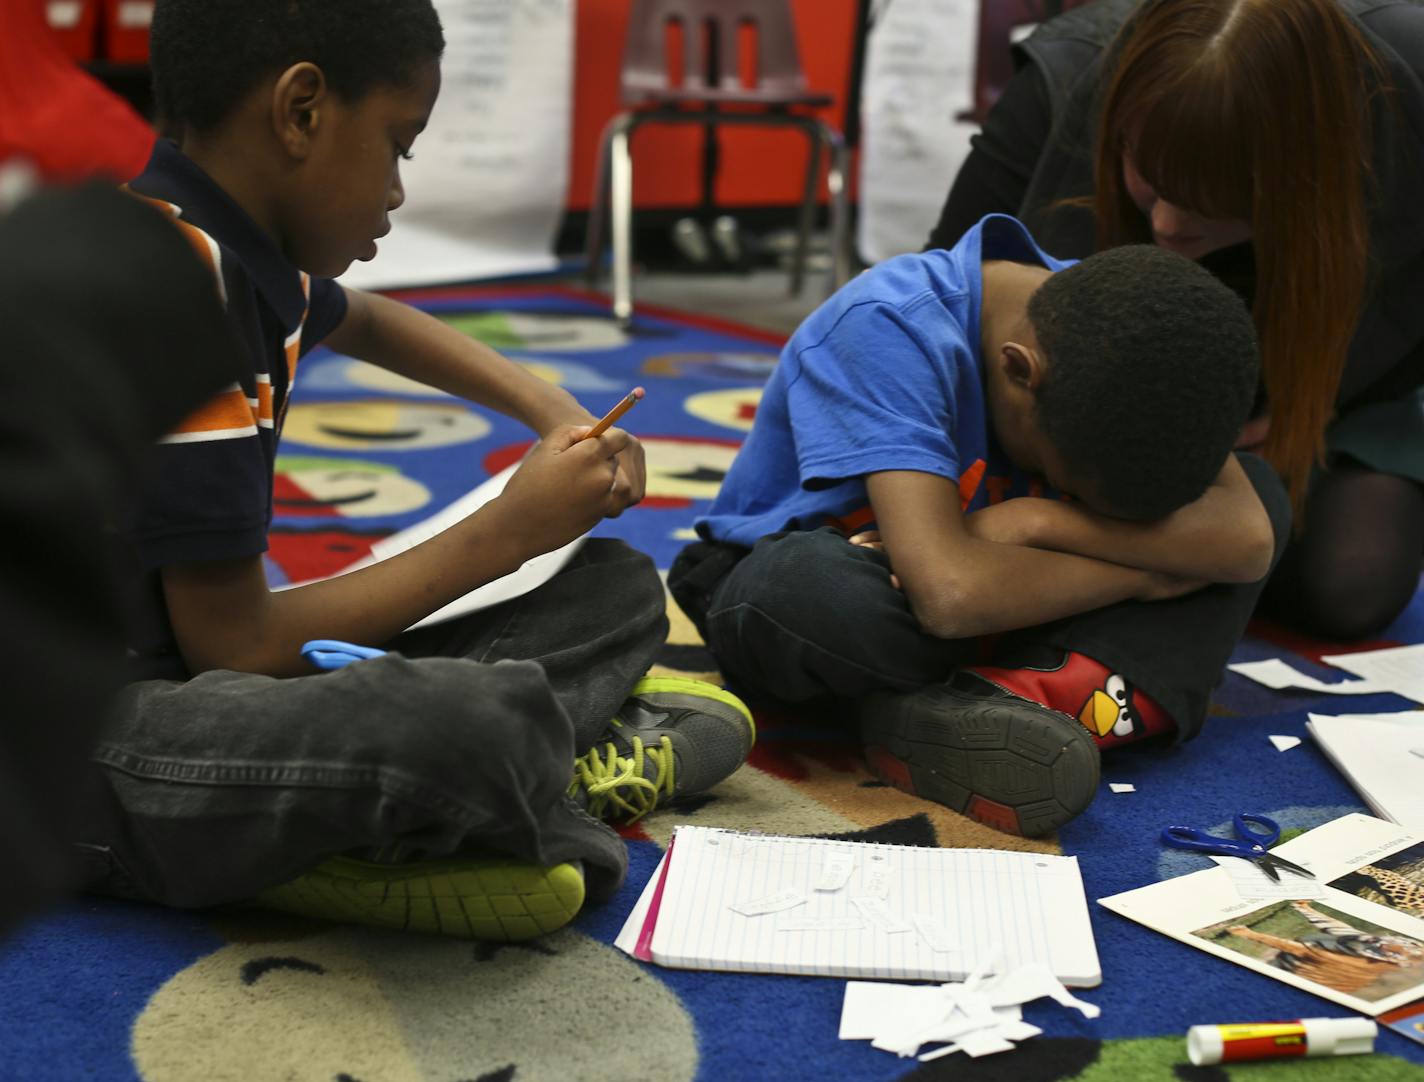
(725, 900)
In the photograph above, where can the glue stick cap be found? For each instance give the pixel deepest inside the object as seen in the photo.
(1204, 1045)
(1339, 1036)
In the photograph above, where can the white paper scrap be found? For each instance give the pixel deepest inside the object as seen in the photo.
(1033, 981)
(1285, 743)
(877, 884)
(1253, 884)
(1275, 673)
(983, 1043)
(980, 1016)
(1397, 668)
(835, 872)
(772, 903)
(878, 915)
(934, 933)
(1122, 787)
(820, 924)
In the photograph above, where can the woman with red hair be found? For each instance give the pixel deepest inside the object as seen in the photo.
(1281, 144)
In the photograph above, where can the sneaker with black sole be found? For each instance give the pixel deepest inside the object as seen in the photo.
(470, 898)
(673, 737)
(1012, 764)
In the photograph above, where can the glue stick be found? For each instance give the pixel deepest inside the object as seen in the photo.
(1207, 1045)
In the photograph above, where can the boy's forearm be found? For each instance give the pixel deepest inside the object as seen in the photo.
(225, 618)
(1008, 587)
(1225, 536)
(414, 344)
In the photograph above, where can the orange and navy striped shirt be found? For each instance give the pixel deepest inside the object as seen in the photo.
(209, 496)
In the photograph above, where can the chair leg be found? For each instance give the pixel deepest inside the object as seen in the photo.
(838, 181)
(598, 209)
(814, 139)
(621, 183)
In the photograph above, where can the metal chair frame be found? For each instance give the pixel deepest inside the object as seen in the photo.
(701, 102)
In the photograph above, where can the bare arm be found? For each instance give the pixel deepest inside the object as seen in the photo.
(959, 585)
(225, 617)
(1225, 536)
(415, 344)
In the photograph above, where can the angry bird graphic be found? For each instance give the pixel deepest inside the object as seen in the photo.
(1109, 709)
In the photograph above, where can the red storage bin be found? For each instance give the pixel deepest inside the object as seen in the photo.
(75, 24)
(126, 30)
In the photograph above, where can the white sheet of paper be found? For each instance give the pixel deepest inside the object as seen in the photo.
(1254, 884)
(1284, 743)
(1275, 673)
(1377, 756)
(628, 934)
(530, 575)
(1205, 901)
(1122, 787)
(486, 191)
(1397, 668)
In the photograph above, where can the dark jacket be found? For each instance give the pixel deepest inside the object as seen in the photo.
(1387, 355)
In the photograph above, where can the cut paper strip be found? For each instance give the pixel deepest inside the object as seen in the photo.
(1253, 884)
(835, 872)
(878, 915)
(1284, 743)
(979, 1017)
(772, 903)
(1275, 673)
(1122, 787)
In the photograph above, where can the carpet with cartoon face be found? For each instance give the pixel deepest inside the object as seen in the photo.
(108, 990)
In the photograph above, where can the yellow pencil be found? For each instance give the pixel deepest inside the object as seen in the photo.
(612, 415)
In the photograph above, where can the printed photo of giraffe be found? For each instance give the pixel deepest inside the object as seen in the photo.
(1396, 881)
(1321, 945)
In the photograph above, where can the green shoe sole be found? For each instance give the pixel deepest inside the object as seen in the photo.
(494, 899)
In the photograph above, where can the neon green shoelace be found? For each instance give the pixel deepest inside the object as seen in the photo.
(616, 784)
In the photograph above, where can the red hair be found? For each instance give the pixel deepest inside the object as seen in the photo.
(1257, 110)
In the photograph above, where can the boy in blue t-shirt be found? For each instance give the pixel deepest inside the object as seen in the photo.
(867, 545)
(457, 783)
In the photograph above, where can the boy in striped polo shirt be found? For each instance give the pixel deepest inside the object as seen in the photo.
(455, 783)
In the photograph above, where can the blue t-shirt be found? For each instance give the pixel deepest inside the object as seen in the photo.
(886, 375)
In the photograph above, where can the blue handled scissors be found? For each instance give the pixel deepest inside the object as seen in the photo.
(333, 653)
(1252, 844)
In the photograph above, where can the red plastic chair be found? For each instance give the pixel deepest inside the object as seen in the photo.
(703, 83)
(61, 121)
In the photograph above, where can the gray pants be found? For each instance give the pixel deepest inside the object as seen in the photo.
(461, 741)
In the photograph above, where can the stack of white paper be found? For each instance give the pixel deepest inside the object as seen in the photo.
(1382, 755)
(762, 903)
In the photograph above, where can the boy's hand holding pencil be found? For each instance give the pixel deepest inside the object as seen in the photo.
(571, 480)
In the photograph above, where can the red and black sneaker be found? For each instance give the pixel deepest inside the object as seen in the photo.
(971, 745)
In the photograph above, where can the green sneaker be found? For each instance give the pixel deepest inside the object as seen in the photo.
(673, 737)
(495, 898)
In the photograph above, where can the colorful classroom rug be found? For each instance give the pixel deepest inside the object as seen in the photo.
(103, 990)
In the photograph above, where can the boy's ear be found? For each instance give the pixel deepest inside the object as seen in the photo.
(1023, 365)
(298, 100)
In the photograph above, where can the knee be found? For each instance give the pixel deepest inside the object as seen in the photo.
(635, 596)
(806, 576)
(448, 722)
(816, 586)
(1352, 603)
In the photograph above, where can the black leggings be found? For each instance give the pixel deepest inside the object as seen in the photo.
(1355, 565)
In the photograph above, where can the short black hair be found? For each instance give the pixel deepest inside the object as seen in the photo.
(1151, 372)
(206, 55)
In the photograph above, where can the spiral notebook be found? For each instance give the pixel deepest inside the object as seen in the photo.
(761, 903)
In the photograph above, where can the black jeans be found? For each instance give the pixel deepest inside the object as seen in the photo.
(805, 616)
(218, 787)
